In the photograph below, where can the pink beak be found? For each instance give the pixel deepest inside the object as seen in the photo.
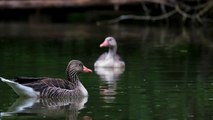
(85, 69)
(104, 44)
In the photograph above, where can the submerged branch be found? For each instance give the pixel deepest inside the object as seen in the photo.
(205, 9)
(137, 17)
(181, 8)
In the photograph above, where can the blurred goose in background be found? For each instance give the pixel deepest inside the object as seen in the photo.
(110, 58)
(52, 87)
(109, 74)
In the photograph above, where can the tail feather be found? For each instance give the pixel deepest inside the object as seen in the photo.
(9, 82)
(20, 89)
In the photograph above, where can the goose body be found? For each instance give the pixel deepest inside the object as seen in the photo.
(110, 58)
(52, 87)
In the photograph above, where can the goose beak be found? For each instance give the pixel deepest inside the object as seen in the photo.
(85, 69)
(104, 44)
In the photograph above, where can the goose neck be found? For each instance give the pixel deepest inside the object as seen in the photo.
(72, 76)
(112, 51)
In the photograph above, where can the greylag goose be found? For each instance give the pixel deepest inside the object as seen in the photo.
(110, 58)
(52, 87)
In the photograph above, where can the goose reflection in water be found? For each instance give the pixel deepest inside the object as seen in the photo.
(47, 107)
(109, 77)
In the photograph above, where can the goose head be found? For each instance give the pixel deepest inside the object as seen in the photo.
(109, 42)
(77, 66)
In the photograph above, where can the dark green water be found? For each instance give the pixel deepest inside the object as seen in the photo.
(168, 74)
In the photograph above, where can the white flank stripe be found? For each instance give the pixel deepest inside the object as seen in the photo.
(20, 89)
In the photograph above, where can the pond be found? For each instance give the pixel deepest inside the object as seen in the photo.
(168, 73)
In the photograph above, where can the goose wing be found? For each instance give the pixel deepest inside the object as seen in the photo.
(23, 80)
(50, 82)
(118, 58)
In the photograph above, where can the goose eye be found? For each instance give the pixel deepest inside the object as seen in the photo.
(79, 65)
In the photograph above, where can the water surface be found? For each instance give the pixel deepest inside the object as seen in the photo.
(168, 72)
